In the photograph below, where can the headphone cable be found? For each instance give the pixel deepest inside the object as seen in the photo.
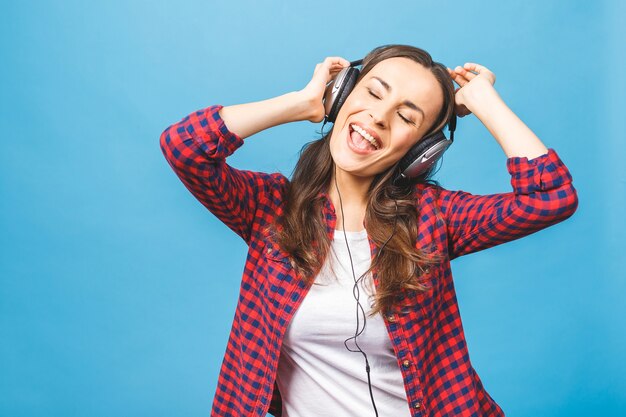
(356, 293)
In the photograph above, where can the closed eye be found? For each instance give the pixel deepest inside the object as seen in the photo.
(372, 94)
(407, 121)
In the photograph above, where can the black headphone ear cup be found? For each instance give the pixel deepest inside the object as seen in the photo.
(343, 92)
(423, 154)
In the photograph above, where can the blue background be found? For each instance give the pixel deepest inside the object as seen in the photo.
(118, 288)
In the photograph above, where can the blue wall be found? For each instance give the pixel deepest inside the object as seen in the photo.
(114, 295)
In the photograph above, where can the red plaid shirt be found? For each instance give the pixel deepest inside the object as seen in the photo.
(425, 331)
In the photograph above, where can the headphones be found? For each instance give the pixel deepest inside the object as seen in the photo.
(423, 155)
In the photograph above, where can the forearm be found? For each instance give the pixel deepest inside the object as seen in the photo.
(515, 138)
(250, 118)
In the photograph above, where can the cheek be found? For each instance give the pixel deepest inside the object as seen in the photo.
(404, 141)
(352, 105)
(354, 100)
(335, 139)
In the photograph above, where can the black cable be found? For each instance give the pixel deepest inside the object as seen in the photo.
(356, 293)
(323, 124)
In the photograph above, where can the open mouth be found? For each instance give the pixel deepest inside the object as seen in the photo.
(360, 141)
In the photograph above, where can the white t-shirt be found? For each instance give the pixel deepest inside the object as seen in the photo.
(317, 375)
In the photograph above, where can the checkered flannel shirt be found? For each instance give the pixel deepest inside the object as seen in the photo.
(425, 328)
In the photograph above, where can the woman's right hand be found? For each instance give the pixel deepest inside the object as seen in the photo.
(313, 93)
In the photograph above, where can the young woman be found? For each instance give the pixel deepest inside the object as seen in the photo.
(309, 338)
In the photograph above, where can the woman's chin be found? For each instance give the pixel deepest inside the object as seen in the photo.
(353, 168)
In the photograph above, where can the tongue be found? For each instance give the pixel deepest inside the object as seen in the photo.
(360, 141)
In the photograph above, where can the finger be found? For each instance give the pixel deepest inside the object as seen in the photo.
(481, 69)
(330, 68)
(458, 78)
(461, 76)
(472, 66)
(464, 73)
(332, 65)
(333, 61)
(478, 69)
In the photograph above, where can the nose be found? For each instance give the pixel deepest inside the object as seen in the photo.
(377, 118)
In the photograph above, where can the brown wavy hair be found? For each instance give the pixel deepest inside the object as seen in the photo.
(302, 232)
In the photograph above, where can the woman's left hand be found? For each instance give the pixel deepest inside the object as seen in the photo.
(474, 81)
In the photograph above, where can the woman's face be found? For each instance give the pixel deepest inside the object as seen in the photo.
(396, 102)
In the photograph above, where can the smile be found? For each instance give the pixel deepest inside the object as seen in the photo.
(361, 142)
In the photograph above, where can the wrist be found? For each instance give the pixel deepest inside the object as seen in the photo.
(302, 105)
(484, 101)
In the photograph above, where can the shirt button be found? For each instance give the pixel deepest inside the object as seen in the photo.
(417, 405)
(269, 250)
(406, 363)
(391, 318)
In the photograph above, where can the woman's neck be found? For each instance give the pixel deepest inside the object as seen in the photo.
(353, 200)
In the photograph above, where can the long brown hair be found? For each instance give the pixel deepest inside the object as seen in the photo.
(303, 234)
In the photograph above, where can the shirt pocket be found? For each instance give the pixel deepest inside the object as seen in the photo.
(278, 267)
(282, 283)
(274, 253)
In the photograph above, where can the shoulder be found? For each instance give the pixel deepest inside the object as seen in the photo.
(428, 192)
(433, 200)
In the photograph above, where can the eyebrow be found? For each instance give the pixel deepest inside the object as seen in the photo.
(407, 103)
